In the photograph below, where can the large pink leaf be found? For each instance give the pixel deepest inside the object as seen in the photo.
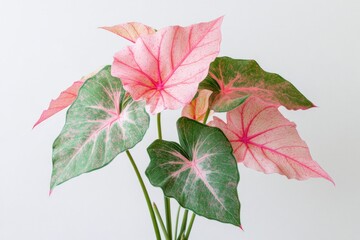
(266, 141)
(65, 99)
(166, 68)
(131, 30)
(197, 108)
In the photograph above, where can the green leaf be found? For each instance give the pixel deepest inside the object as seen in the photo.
(201, 173)
(233, 80)
(102, 122)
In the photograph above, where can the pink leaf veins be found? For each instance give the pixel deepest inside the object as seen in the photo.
(266, 141)
(195, 166)
(165, 68)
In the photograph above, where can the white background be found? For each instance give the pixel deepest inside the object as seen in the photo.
(46, 45)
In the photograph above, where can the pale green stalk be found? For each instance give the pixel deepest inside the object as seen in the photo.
(161, 222)
(177, 222)
(147, 198)
(183, 225)
(190, 226)
(166, 199)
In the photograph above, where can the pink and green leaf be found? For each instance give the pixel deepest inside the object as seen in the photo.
(233, 80)
(131, 30)
(197, 108)
(266, 141)
(165, 68)
(101, 123)
(65, 99)
(201, 173)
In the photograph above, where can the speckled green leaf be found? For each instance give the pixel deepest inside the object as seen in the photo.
(102, 122)
(201, 173)
(233, 80)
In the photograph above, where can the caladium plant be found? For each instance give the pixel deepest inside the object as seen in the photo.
(171, 68)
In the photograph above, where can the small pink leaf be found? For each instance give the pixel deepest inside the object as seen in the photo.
(197, 108)
(131, 30)
(266, 141)
(65, 99)
(165, 68)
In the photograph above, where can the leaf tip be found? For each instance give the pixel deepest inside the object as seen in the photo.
(331, 180)
(326, 176)
(104, 28)
(241, 227)
(221, 18)
(35, 125)
(41, 119)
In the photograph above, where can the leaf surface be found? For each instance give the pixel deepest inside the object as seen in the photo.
(197, 108)
(65, 99)
(266, 141)
(131, 30)
(201, 173)
(102, 122)
(165, 68)
(233, 80)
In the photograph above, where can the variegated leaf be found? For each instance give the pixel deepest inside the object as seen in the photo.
(233, 80)
(201, 173)
(102, 122)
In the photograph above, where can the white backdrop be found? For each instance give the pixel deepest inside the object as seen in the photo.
(46, 45)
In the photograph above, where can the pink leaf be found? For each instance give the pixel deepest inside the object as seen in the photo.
(197, 108)
(65, 99)
(166, 68)
(266, 141)
(130, 31)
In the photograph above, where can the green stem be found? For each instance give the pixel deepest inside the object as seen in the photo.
(159, 125)
(161, 222)
(183, 225)
(166, 199)
(177, 221)
(190, 226)
(168, 216)
(146, 195)
(206, 115)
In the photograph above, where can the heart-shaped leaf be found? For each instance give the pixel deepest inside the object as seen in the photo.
(197, 108)
(233, 80)
(102, 122)
(131, 30)
(266, 141)
(65, 99)
(201, 173)
(165, 68)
